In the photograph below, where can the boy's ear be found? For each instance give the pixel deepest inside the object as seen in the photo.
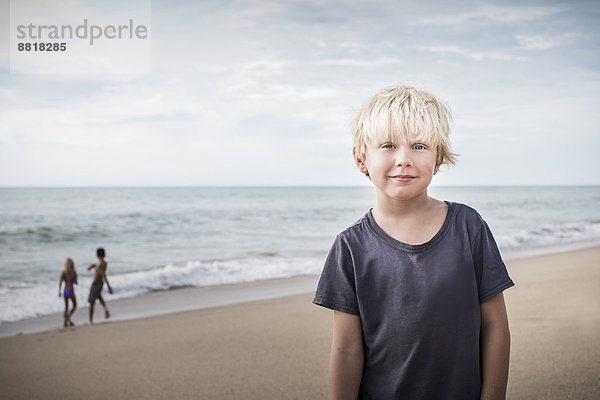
(360, 162)
(436, 169)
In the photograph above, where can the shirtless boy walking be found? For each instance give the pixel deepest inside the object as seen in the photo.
(97, 284)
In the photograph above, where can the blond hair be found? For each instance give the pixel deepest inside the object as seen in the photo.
(68, 268)
(405, 114)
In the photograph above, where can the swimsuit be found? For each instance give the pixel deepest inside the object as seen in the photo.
(68, 292)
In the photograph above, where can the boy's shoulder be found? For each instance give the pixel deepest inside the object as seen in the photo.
(466, 212)
(469, 220)
(357, 227)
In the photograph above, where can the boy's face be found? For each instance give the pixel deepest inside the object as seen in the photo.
(399, 170)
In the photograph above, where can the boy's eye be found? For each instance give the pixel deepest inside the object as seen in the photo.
(419, 146)
(387, 146)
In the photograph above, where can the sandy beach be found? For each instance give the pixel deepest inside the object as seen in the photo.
(278, 348)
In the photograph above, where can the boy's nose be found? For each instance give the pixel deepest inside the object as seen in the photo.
(403, 158)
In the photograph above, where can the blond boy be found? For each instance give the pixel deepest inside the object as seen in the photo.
(416, 284)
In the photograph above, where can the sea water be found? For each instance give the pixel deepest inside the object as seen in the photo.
(169, 238)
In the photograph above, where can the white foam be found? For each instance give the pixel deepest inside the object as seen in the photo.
(35, 300)
(551, 234)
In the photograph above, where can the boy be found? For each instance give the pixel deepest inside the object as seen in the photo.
(97, 283)
(416, 284)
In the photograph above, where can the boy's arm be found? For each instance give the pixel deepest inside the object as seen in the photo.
(103, 272)
(347, 357)
(495, 348)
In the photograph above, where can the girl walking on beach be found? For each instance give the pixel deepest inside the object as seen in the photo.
(69, 277)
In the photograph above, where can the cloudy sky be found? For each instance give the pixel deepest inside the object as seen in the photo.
(262, 93)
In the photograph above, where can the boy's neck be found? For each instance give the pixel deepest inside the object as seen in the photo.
(412, 221)
(393, 208)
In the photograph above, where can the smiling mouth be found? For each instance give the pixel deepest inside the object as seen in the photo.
(402, 178)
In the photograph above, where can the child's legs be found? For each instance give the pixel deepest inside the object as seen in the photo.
(106, 313)
(66, 307)
(102, 302)
(94, 294)
(74, 300)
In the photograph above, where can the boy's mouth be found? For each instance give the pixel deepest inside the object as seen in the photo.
(402, 178)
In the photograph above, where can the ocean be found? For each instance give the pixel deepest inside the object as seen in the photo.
(169, 238)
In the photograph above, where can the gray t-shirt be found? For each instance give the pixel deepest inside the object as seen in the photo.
(419, 305)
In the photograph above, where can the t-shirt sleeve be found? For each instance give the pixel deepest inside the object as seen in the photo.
(336, 289)
(491, 273)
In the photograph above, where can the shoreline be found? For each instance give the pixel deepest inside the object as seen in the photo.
(166, 302)
(163, 302)
(279, 348)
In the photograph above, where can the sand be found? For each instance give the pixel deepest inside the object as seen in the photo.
(278, 348)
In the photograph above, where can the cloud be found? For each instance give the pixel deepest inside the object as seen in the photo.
(289, 92)
(538, 42)
(490, 12)
(360, 63)
(253, 14)
(472, 54)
